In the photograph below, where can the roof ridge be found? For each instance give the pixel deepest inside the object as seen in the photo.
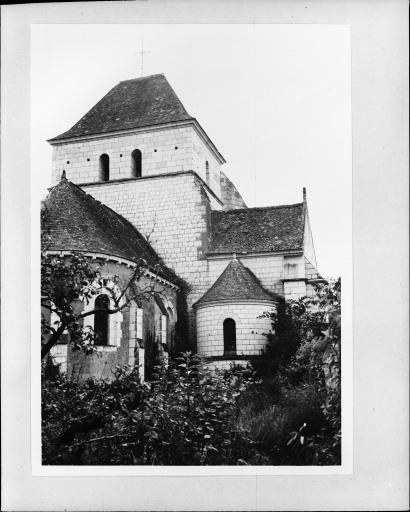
(255, 208)
(133, 103)
(141, 78)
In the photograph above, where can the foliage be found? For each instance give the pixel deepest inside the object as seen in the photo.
(287, 414)
(186, 415)
(283, 340)
(67, 284)
(305, 386)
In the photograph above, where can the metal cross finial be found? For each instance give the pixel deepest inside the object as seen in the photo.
(142, 52)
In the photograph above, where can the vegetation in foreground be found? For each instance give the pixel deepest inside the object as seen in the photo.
(285, 410)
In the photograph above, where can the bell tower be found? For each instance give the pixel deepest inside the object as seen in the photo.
(138, 129)
(140, 153)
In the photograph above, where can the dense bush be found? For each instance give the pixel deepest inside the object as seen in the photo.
(186, 415)
(299, 419)
(286, 411)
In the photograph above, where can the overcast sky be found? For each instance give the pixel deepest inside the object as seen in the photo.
(274, 99)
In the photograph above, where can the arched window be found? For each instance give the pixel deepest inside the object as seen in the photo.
(229, 336)
(136, 163)
(104, 167)
(101, 320)
(170, 329)
(207, 172)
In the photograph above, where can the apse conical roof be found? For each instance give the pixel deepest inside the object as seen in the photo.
(236, 283)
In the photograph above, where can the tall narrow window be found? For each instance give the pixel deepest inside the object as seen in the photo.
(207, 172)
(291, 270)
(104, 167)
(101, 320)
(136, 163)
(229, 336)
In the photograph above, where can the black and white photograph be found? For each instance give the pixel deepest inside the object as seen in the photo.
(190, 312)
(204, 255)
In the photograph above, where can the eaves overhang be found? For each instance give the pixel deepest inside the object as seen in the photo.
(211, 303)
(144, 129)
(114, 259)
(256, 254)
(150, 177)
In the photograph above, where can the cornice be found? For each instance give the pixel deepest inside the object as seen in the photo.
(228, 255)
(145, 129)
(234, 302)
(153, 176)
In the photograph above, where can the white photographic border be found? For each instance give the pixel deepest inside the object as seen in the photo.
(360, 483)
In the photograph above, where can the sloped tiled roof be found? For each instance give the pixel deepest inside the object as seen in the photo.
(236, 282)
(270, 229)
(74, 221)
(131, 104)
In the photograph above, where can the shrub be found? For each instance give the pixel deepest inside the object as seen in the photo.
(186, 415)
(299, 420)
(287, 414)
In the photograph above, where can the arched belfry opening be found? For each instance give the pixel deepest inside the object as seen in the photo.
(229, 336)
(136, 163)
(101, 320)
(104, 167)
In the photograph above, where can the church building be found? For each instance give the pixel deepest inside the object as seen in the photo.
(142, 178)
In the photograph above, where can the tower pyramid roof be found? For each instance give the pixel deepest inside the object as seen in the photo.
(136, 103)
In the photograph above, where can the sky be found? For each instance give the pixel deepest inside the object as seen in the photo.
(274, 99)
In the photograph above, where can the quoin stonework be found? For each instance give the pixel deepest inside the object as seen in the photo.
(136, 177)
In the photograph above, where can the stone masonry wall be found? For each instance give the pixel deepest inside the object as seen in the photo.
(81, 159)
(250, 330)
(173, 212)
(294, 289)
(201, 155)
(163, 151)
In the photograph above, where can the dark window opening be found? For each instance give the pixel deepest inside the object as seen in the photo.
(136, 163)
(155, 150)
(88, 159)
(68, 161)
(101, 320)
(176, 147)
(229, 337)
(207, 172)
(104, 167)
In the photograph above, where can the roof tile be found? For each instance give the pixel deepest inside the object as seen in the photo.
(236, 282)
(74, 221)
(131, 104)
(270, 229)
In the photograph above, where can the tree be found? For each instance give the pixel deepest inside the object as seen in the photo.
(301, 375)
(313, 319)
(67, 284)
(318, 322)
